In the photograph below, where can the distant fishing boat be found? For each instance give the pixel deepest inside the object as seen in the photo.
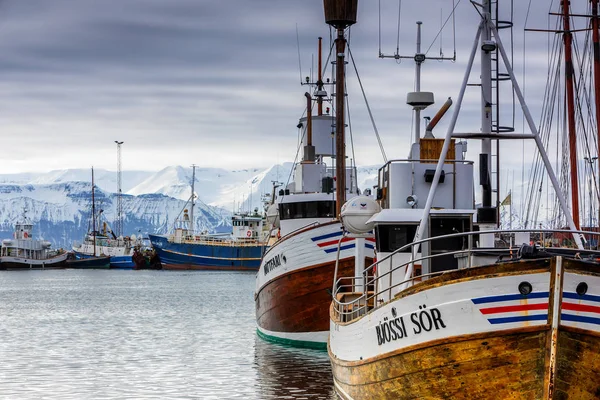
(240, 250)
(101, 243)
(24, 252)
(97, 246)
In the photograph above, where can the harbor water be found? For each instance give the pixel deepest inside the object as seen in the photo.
(73, 334)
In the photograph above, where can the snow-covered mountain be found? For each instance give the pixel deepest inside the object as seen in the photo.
(59, 202)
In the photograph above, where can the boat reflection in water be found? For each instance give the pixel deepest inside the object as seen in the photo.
(291, 373)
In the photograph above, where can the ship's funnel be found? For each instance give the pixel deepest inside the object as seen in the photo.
(340, 13)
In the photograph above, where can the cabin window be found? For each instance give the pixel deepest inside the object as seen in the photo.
(392, 237)
(309, 209)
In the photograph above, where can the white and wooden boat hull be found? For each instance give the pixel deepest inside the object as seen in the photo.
(442, 338)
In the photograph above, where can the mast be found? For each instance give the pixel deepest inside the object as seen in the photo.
(320, 81)
(93, 213)
(569, 83)
(193, 196)
(486, 214)
(596, 41)
(340, 14)
(119, 192)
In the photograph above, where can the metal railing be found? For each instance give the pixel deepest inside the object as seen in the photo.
(371, 297)
(215, 241)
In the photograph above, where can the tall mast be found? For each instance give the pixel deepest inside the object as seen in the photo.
(486, 119)
(596, 40)
(320, 81)
(569, 83)
(119, 192)
(340, 14)
(193, 197)
(93, 213)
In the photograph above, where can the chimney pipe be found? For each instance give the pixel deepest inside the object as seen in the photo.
(438, 116)
(308, 119)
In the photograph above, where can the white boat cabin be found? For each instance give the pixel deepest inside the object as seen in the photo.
(402, 192)
(245, 226)
(310, 198)
(23, 244)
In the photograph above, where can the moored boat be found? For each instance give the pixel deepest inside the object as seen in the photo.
(293, 284)
(184, 249)
(239, 251)
(97, 245)
(24, 252)
(450, 311)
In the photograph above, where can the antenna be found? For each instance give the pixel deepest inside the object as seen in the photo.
(419, 100)
(299, 58)
(119, 192)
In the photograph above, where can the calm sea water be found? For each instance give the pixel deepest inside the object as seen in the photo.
(71, 334)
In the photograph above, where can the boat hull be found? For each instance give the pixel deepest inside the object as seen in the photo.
(89, 263)
(203, 256)
(18, 263)
(544, 346)
(294, 309)
(122, 262)
(294, 285)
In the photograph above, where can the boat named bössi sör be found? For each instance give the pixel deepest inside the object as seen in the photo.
(453, 314)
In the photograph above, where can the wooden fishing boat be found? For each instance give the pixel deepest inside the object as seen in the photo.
(464, 310)
(293, 284)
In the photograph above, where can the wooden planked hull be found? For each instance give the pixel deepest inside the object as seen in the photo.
(298, 303)
(509, 366)
(294, 283)
(544, 345)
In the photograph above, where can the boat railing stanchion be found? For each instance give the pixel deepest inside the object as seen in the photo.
(390, 272)
(470, 252)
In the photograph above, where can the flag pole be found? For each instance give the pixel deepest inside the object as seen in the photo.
(510, 210)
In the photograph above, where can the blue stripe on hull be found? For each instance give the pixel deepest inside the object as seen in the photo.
(122, 262)
(205, 256)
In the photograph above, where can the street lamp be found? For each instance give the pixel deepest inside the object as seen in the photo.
(590, 161)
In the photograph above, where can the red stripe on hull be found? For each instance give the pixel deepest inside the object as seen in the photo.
(580, 307)
(520, 307)
(299, 301)
(346, 239)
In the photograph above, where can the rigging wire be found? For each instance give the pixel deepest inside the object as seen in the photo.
(348, 101)
(522, 205)
(299, 59)
(385, 159)
(443, 26)
(379, 27)
(398, 37)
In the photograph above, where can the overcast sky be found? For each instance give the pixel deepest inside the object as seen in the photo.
(215, 83)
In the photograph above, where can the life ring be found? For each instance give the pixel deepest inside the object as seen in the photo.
(249, 233)
(25, 235)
